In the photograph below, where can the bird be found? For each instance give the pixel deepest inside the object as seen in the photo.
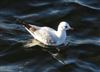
(48, 36)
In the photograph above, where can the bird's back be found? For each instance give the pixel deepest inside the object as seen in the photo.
(46, 35)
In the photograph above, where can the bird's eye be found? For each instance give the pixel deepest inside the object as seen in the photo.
(65, 26)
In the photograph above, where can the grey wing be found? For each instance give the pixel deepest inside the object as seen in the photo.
(45, 37)
(31, 28)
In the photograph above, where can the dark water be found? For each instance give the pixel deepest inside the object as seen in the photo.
(83, 53)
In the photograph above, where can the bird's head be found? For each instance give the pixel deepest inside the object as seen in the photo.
(64, 26)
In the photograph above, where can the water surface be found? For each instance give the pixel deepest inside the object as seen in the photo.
(83, 53)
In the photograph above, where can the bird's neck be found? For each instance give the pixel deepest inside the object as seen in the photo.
(61, 33)
(61, 36)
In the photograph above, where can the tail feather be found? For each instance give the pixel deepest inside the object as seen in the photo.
(12, 19)
(27, 25)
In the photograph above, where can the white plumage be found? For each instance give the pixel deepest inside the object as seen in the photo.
(47, 35)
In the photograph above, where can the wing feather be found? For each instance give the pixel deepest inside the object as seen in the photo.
(44, 36)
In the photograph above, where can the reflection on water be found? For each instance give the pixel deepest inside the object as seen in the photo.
(93, 4)
(19, 52)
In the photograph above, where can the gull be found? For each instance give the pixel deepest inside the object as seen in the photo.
(48, 36)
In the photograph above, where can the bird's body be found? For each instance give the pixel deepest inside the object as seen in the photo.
(47, 35)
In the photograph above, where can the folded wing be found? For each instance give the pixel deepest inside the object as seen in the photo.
(45, 36)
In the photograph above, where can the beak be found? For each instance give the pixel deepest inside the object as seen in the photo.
(71, 28)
